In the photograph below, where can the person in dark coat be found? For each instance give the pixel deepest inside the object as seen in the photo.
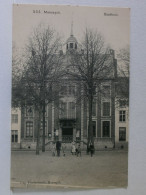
(91, 149)
(58, 147)
(78, 150)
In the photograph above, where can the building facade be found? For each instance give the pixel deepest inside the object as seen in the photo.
(15, 128)
(69, 120)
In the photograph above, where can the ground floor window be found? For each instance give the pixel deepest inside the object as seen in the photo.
(122, 133)
(106, 129)
(45, 128)
(106, 108)
(94, 128)
(14, 136)
(29, 129)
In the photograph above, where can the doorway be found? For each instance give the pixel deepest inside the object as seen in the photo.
(67, 134)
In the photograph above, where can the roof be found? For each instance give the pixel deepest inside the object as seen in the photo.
(71, 39)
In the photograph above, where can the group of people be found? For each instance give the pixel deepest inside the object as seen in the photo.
(75, 150)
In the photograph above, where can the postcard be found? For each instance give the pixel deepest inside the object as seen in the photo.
(70, 97)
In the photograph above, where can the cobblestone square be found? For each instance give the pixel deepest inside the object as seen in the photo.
(106, 169)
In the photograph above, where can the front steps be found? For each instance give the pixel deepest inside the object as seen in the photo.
(99, 144)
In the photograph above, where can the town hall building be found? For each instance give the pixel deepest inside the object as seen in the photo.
(69, 121)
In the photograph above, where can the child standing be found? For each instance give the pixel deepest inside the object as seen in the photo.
(78, 150)
(63, 148)
(53, 149)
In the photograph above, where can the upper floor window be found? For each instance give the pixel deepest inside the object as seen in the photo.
(106, 91)
(63, 109)
(29, 111)
(67, 90)
(14, 118)
(71, 109)
(122, 103)
(122, 116)
(71, 90)
(106, 109)
(67, 109)
(94, 108)
(29, 129)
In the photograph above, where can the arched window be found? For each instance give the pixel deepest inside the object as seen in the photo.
(71, 45)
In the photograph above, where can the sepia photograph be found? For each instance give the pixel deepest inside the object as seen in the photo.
(70, 97)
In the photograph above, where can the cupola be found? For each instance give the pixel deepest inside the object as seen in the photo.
(71, 42)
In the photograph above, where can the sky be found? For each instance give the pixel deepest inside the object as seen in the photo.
(112, 23)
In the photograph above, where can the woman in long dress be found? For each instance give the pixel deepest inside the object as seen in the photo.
(73, 148)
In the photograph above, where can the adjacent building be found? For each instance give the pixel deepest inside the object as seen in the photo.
(15, 128)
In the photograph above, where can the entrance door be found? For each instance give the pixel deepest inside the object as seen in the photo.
(67, 134)
(106, 129)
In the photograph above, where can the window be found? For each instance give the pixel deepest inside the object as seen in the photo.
(106, 91)
(63, 90)
(122, 133)
(45, 128)
(94, 128)
(67, 90)
(29, 111)
(14, 118)
(29, 129)
(63, 110)
(67, 109)
(122, 116)
(94, 109)
(71, 90)
(71, 109)
(14, 136)
(122, 103)
(71, 45)
(106, 109)
(106, 129)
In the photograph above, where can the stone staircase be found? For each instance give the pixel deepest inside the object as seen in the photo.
(99, 144)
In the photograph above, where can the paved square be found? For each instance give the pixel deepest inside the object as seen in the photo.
(106, 169)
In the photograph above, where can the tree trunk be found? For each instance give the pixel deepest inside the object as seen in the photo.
(90, 126)
(43, 137)
(38, 132)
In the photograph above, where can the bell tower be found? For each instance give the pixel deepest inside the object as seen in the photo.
(71, 42)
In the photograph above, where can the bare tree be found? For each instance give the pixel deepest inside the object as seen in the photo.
(123, 57)
(90, 67)
(40, 75)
